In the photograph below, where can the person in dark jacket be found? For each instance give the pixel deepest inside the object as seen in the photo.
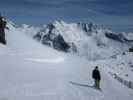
(2, 30)
(97, 77)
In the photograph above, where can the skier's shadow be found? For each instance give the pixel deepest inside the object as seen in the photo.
(84, 85)
(79, 84)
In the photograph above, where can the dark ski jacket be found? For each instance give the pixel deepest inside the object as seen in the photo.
(2, 30)
(2, 25)
(96, 74)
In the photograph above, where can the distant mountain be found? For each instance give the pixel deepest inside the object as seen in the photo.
(84, 39)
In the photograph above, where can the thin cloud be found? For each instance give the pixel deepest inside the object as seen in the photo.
(99, 10)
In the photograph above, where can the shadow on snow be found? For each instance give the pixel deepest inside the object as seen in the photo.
(83, 85)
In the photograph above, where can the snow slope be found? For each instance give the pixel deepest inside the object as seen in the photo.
(30, 71)
(93, 42)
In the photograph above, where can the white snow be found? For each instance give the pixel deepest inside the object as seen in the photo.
(31, 71)
(57, 60)
(94, 46)
(28, 29)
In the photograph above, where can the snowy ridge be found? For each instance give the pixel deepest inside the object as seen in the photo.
(87, 40)
(28, 29)
(32, 71)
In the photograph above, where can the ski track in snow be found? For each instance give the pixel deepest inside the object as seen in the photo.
(57, 60)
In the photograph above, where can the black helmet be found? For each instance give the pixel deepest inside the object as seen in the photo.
(96, 67)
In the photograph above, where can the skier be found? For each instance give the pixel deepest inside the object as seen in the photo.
(2, 30)
(97, 77)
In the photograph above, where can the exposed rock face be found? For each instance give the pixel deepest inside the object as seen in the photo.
(131, 49)
(117, 37)
(60, 44)
(88, 27)
(48, 37)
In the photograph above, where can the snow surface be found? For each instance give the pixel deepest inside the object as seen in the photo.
(31, 71)
(91, 45)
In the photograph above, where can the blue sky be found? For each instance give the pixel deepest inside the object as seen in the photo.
(37, 12)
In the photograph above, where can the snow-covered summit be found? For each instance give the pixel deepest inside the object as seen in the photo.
(86, 39)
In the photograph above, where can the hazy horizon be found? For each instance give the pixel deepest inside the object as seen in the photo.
(38, 12)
